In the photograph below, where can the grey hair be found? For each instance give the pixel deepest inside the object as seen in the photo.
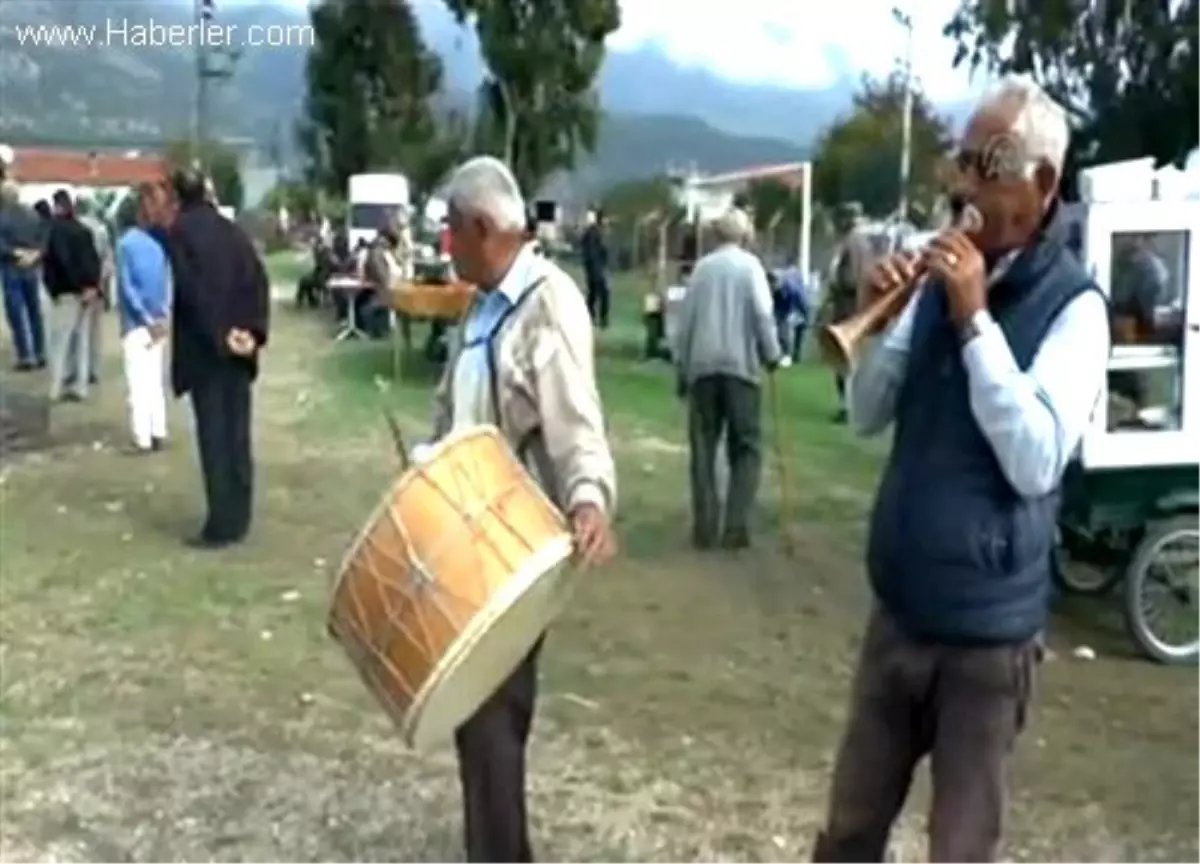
(10, 193)
(1041, 123)
(485, 186)
(733, 226)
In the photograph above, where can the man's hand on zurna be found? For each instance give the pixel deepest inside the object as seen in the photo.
(955, 261)
(893, 272)
(594, 541)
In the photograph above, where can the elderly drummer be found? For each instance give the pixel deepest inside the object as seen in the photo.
(523, 361)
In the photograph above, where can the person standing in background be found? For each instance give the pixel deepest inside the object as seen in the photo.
(726, 335)
(219, 326)
(595, 268)
(851, 260)
(102, 239)
(791, 313)
(143, 279)
(72, 274)
(22, 241)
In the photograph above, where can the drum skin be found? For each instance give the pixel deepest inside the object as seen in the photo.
(449, 538)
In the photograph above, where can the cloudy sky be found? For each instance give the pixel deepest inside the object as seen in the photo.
(774, 41)
(796, 43)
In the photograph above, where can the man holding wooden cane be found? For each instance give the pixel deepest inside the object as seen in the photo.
(726, 336)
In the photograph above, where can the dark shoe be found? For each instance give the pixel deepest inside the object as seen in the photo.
(841, 417)
(158, 444)
(39, 363)
(734, 540)
(24, 366)
(209, 543)
(93, 380)
(702, 541)
(70, 396)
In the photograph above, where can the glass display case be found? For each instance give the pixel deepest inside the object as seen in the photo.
(1146, 258)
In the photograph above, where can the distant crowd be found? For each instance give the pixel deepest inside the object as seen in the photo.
(177, 268)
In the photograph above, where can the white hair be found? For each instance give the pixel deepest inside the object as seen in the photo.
(1040, 123)
(484, 185)
(733, 226)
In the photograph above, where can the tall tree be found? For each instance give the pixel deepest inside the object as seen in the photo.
(1126, 70)
(538, 103)
(858, 157)
(371, 83)
(221, 163)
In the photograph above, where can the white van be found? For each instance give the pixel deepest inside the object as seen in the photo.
(374, 200)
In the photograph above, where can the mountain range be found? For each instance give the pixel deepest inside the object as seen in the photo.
(128, 96)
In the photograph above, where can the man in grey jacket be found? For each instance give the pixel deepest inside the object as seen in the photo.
(726, 335)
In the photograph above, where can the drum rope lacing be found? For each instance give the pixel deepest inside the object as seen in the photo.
(415, 566)
(471, 499)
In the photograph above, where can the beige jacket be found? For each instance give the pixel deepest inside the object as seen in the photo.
(545, 387)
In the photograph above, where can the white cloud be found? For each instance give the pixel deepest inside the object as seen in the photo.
(792, 43)
(797, 43)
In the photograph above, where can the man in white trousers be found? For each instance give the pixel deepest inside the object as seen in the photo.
(143, 297)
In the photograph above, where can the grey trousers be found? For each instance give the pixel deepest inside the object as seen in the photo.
(963, 707)
(71, 323)
(724, 405)
(94, 324)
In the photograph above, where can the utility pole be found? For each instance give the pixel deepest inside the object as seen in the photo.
(207, 71)
(905, 21)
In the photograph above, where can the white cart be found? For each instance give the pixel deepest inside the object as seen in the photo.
(1130, 501)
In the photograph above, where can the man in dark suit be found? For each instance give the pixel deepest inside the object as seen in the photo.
(222, 312)
(595, 267)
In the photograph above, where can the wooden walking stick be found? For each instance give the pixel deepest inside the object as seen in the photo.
(393, 425)
(785, 508)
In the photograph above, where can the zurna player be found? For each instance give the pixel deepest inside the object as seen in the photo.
(990, 375)
(524, 362)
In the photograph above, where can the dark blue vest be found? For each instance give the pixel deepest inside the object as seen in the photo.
(955, 555)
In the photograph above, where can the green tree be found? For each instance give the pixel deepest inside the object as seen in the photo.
(1126, 70)
(631, 200)
(220, 162)
(300, 199)
(634, 210)
(773, 203)
(858, 157)
(371, 83)
(431, 159)
(538, 106)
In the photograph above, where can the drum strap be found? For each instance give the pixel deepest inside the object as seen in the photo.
(490, 344)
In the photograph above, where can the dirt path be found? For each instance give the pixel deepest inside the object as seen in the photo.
(161, 704)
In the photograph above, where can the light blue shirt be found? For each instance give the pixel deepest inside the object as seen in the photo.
(472, 372)
(1034, 420)
(143, 279)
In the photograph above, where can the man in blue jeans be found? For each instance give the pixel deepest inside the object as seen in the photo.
(21, 240)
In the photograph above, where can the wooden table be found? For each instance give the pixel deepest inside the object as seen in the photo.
(350, 287)
(424, 302)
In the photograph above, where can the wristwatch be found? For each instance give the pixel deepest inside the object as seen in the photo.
(969, 329)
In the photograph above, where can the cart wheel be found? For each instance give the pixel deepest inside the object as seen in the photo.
(1162, 591)
(1076, 577)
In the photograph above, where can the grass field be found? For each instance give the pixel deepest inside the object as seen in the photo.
(162, 704)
